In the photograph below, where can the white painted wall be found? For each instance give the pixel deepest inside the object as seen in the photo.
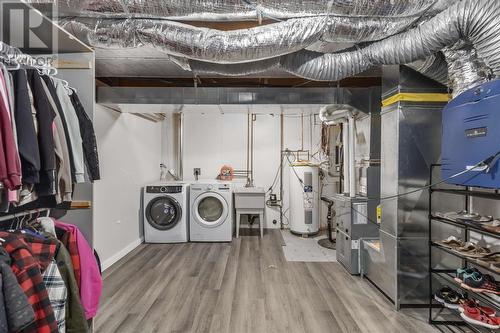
(214, 139)
(130, 153)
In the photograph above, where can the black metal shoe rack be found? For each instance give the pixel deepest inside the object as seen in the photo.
(446, 275)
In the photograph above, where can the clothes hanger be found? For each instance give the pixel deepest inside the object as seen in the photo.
(16, 66)
(14, 222)
(20, 225)
(9, 63)
(33, 223)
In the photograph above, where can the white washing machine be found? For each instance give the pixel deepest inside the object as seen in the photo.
(166, 213)
(211, 213)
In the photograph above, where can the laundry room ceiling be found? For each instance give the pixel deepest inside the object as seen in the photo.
(208, 41)
(149, 62)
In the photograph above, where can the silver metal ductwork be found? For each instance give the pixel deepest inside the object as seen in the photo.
(334, 114)
(201, 43)
(220, 10)
(434, 67)
(243, 45)
(283, 44)
(344, 113)
(465, 68)
(475, 20)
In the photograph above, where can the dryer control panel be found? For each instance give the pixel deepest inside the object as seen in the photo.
(211, 187)
(164, 189)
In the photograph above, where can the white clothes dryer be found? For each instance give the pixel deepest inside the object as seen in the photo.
(211, 215)
(166, 213)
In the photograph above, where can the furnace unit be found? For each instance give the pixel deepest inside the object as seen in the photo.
(471, 127)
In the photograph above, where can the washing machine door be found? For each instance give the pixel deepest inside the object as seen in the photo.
(163, 212)
(210, 209)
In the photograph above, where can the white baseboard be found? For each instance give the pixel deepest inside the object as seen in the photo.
(122, 253)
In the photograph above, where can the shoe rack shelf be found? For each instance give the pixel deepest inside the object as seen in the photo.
(447, 275)
(472, 261)
(478, 194)
(466, 226)
(449, 278)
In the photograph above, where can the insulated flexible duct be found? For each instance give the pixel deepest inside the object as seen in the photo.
(464, 68)
(434, 67)
(213, 10)
(474, 20)
(184, 40)
(261, 42)
(477, 21)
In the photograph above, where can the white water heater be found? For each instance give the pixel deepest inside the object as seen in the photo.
(304, 199)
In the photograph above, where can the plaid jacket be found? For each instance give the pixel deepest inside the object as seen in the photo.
(69, 241)
(57, 293)
(28, 274)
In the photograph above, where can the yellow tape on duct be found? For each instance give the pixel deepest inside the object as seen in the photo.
(416, 97)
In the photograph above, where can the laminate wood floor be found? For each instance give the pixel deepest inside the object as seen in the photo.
(245, 286)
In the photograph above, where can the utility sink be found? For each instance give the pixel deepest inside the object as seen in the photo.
(249, 198)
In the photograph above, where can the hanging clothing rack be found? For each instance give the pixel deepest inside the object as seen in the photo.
(24, 213)
(13, 55)
(16, 55)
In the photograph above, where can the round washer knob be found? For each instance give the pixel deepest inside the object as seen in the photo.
(163, 189)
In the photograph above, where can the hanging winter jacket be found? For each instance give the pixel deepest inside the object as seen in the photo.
(15, 306)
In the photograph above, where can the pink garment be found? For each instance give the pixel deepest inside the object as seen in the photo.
(10, 165)
(91, 280)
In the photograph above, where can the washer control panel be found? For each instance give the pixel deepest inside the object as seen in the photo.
(164, 189)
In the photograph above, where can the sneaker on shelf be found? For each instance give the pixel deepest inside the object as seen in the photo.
(480, 283)
(449, 298)
(462, 273)
(471, 303)
(475, 316)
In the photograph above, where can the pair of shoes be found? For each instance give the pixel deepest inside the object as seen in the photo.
(472, 279)
(449, 298)
(472, 250)
(451, 243)
(468, 249)
(492, 261)
(493, 226)
(479, 315)
(462, 273)
(472, 303)
(465, 217)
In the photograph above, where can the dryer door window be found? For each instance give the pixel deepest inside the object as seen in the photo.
(210, 209)
(163, 213)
